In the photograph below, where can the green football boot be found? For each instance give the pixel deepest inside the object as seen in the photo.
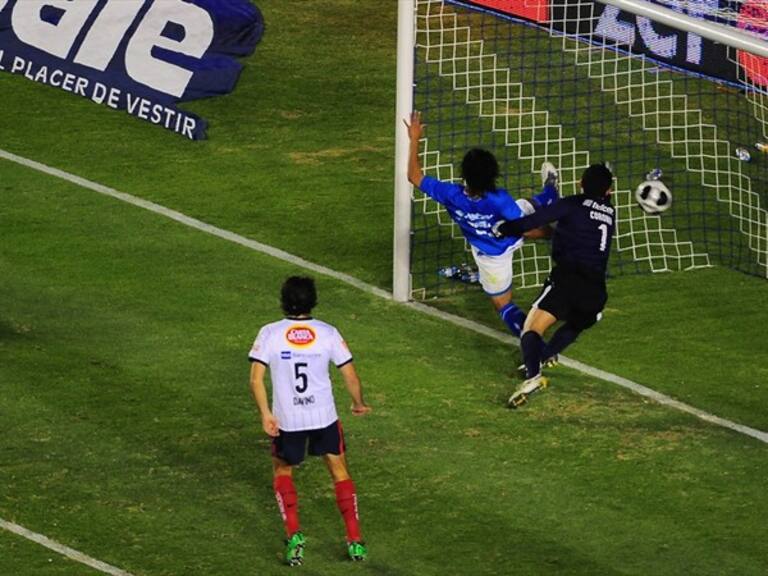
(357, 551)
(294, 549)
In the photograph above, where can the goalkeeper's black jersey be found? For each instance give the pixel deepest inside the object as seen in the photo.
(582, 239)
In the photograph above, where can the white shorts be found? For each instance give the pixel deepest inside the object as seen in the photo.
(495, 271)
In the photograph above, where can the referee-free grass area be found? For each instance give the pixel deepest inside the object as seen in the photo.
(127, 428)
(129, 433)
(697, 336)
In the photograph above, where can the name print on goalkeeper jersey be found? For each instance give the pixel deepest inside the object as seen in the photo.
(297, 352)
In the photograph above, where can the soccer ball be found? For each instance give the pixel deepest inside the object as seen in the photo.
(653, 196)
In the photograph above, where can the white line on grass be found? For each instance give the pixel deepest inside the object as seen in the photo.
(365, 287)
(70, 553)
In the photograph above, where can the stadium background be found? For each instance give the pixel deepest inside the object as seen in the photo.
(128, 432)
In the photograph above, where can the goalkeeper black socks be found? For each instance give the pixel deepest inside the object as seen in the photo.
(531, 344)
(564, 337)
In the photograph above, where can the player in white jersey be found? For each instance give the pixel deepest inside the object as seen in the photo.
(297, 351)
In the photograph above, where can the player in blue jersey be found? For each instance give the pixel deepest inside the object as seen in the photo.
(575, 292)
(476, 206)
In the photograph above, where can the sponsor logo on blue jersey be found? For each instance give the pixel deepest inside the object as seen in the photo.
(141, 56)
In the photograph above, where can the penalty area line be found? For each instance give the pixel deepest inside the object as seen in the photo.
(70, 553)
(370, 289)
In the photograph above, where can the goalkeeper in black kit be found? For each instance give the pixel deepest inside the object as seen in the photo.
(575, 291)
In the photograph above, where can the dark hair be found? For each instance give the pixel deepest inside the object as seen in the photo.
(298, 295)
(596, 180)
(479, 169)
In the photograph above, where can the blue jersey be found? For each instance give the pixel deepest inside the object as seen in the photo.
(476, 216)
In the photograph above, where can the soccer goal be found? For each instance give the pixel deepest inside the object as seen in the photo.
(674, 91)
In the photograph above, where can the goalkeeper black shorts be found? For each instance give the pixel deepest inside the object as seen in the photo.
(573, 297)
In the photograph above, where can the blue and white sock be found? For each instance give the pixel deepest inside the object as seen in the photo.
(549, 195)
(513, 317)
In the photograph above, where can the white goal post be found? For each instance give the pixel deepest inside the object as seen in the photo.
(406, 44)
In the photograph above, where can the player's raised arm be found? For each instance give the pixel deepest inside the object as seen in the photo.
(268, 420)
(355, 389)
(415, 131)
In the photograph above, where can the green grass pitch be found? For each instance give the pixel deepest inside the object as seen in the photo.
(126, 427)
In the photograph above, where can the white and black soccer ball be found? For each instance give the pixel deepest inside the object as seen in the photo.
(653, 196)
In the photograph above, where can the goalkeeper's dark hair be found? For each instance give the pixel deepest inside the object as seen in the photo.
(596, 180)
(298, 296)
(479, 169)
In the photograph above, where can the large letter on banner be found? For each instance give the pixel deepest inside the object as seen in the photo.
(195, 37)
(51, 25)
(99, 47)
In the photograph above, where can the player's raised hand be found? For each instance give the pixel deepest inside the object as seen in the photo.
(415, 128)
(270, 425)
(360, 409)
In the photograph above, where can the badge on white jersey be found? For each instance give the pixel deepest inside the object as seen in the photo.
(300, 336)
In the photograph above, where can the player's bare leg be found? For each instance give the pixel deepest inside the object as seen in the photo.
(346, 500)
(337, 466)
(538, 321)
(287, 500)
(501, 300)
(532, 344)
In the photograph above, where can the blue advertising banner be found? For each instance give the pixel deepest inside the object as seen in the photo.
(141, 56)
(662, 43)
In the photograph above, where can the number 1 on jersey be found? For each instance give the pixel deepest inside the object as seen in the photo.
(603, 237)
(301, 375)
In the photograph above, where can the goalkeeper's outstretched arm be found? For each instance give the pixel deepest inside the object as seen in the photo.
(541, 217)
(415, 131)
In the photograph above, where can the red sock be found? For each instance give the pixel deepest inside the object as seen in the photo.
(346, 499)
(285, 492)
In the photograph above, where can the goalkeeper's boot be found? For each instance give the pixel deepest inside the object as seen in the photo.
(526, 389)
(357, 551)
(550, 186)
(294, 549)
(550, 362)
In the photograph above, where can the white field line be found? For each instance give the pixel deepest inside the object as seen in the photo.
(70, 553)
(370, 289)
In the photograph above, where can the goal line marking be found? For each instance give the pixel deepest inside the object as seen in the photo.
(370, 289)
(70, 553)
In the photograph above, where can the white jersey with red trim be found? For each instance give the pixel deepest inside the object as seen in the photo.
(297, 353)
